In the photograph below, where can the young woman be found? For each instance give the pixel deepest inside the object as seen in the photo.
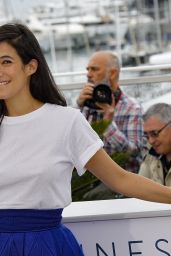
(41, 141)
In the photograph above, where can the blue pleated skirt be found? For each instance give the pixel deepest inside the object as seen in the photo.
(36, 233)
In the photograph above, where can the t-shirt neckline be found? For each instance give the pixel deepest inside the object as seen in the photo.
(25, 117)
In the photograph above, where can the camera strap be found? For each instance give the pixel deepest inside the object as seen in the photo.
(117, 95)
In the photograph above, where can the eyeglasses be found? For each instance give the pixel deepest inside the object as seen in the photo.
(155, 133)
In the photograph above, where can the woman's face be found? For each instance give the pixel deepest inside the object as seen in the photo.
(14, 75)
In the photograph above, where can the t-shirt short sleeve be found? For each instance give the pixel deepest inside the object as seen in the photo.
(84, 142)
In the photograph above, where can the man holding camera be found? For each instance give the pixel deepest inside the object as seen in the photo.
(125, 130)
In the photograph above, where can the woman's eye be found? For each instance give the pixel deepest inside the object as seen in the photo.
(6, 62)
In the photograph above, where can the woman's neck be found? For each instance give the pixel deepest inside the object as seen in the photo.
(22, 108)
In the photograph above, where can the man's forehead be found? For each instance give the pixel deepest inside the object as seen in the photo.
(154, 119)
(96, 63)
(93, 65)
(153, 123)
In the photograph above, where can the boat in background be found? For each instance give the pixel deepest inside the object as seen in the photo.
(131, 28)
(160, 58)
(57, 36)
(40, 31)
(69, 35)
(165, 98)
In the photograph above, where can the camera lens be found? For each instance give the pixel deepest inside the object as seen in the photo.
(102, 93)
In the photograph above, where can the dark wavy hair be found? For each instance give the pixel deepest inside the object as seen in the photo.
(42, 83)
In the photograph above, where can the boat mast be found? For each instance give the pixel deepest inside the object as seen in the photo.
(158, 28)
(69, 43)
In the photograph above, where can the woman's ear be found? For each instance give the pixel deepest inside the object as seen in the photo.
(31, 67)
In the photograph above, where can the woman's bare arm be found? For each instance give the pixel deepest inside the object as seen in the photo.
(127, 183)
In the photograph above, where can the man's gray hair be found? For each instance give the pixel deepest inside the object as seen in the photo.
(114, 60)
(161, 110)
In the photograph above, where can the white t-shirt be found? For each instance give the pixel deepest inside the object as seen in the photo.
(38, 152)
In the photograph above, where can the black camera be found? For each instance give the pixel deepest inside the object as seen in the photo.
(102, 93)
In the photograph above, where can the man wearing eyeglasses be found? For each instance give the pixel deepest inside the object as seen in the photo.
(157, 130)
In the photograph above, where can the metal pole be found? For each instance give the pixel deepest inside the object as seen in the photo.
(133, 40)
(52, 48)
(118, 38)
(141, 32)
(158, 28)
(69, 41)
(169, 13)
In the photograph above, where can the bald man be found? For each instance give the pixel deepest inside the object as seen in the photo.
(125, 130)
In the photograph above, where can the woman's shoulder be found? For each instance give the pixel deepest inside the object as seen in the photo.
(63, 111)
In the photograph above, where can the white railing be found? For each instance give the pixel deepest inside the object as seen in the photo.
(148, 84)
(142, 76)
